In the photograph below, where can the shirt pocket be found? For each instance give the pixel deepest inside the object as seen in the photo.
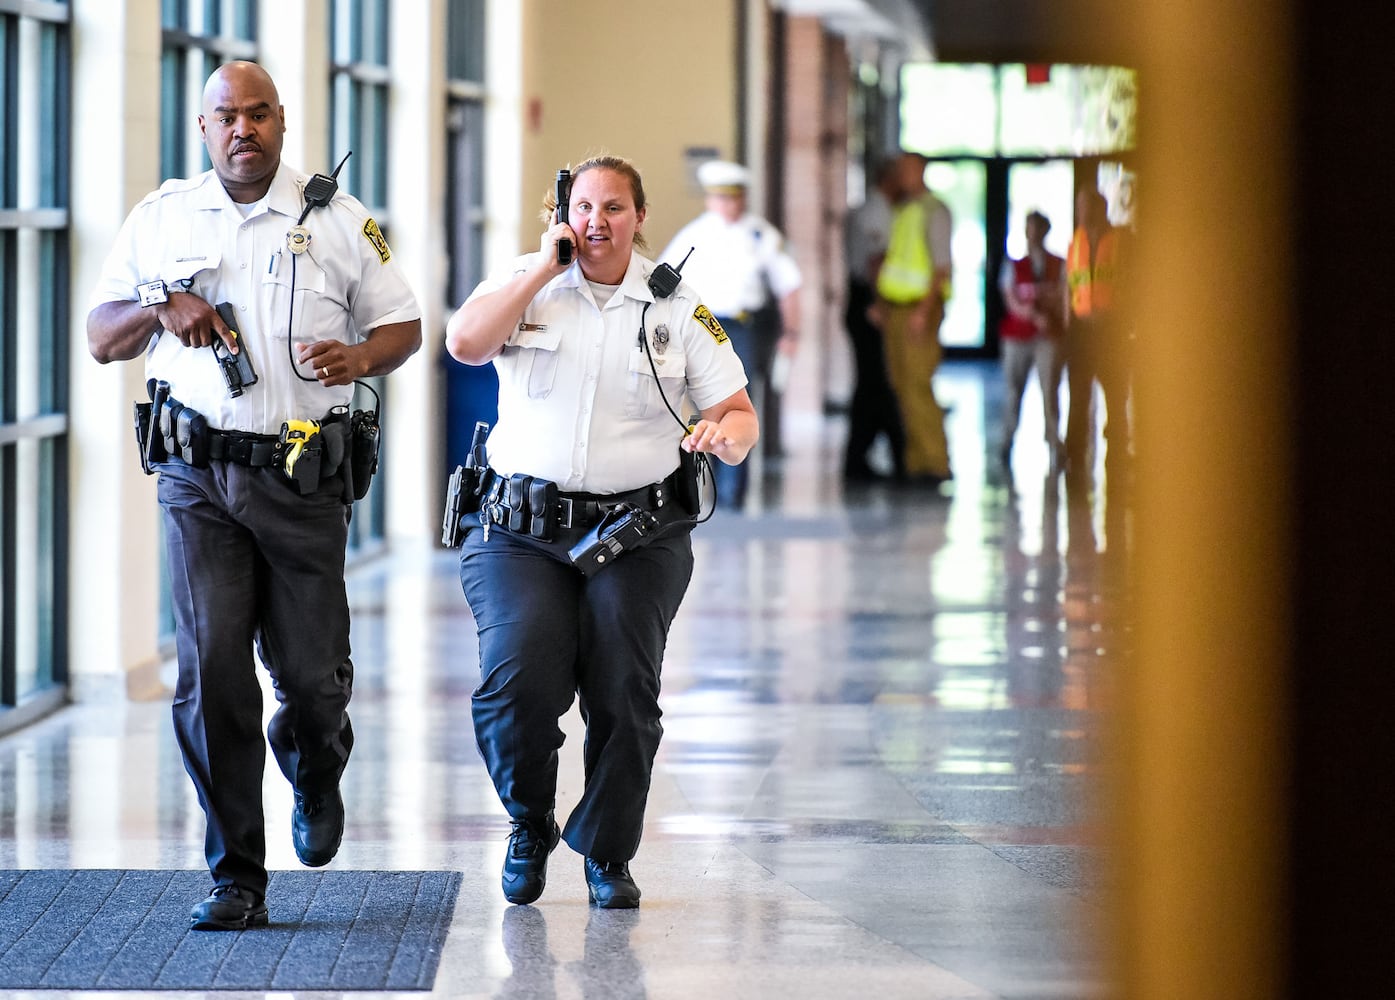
(293, 295)
(194, 271)
(529, 359)
(646, 397)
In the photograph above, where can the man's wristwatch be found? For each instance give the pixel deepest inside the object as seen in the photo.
(152, 293)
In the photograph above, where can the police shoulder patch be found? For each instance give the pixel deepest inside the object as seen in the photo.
(704, 316)
(375, 237)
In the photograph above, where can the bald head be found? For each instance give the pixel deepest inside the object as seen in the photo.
(238, 74)
(243, 124)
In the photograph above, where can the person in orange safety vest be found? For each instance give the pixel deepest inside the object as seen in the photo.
(1096, 343)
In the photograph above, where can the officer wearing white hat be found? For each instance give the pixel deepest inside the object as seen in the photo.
(747, 277)
(722, 177)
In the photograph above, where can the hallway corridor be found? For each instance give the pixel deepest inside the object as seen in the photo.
(882, 774)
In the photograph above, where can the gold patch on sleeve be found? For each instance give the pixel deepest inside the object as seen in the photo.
(375, 236)
(704, 316)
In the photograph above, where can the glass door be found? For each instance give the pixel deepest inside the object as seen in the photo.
(962, 186)
(1047, 188)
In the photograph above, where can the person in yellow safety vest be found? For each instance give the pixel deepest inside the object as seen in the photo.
(1096, 341)
(913, 285)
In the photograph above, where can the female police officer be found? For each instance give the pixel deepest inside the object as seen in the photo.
(580, 406)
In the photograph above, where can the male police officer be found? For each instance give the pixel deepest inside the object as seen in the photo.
(744, 273)
(253, 555)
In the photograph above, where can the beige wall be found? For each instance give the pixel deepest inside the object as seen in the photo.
(643, 81)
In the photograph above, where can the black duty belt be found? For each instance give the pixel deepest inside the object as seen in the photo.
(240, 448)
(585, 510)
(535, 506)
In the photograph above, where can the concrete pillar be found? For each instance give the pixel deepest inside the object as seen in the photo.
(805, 205)
(416, 192)
(113, 571)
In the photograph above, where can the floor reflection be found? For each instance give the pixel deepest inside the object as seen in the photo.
(881, 771)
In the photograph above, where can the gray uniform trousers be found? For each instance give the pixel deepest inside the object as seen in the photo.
(251, 560)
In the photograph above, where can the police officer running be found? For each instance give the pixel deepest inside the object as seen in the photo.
(258, 461)
(591, 356)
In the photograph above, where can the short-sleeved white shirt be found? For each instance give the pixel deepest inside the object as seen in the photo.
(733, 263)
(578, 403)
(868, 231)
(346, 285)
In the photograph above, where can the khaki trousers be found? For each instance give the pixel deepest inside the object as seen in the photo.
(911, 362)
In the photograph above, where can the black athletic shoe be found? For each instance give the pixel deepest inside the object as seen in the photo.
(317, 827)
(525, 862)
(228, 908)
(609, 885)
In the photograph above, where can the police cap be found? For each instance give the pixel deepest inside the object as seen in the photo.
(723, 177)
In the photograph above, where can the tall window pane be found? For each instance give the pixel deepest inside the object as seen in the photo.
(35, 130)
(198, 36)
(359, 100)
(359, 96)
(465, 43)
(471, 392)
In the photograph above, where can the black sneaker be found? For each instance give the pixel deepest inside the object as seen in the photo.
(609, 885)
(525, 862)
(228, 908)
(317, 827)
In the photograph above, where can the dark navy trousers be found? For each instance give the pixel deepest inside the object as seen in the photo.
(548, 634)
(253, 562)
(757, 353)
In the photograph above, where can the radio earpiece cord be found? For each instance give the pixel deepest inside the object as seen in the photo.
(319, 192)
(364, 428)
(663, 281)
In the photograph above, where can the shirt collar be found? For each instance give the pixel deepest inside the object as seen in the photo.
(634, 284)
(284, 195)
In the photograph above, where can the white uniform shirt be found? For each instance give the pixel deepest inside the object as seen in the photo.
(734, 263)
(346, 285)
(940, 230)
(868, 231)
(578, 403)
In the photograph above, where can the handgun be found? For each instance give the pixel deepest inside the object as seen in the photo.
(564, 197)
(463, 491)
(238, 372)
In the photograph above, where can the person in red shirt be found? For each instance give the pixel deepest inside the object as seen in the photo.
(1033, 289)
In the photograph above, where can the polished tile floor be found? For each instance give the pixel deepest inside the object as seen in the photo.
(881, 775)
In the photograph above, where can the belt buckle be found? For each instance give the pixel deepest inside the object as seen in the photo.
(565, 512)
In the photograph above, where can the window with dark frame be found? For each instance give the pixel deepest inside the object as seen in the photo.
(465, 145)
(360, 85)
(35, 277)
(197, 36)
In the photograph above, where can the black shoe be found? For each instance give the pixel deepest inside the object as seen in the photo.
(228, 908)
(609, 885)
(317, 827)
(525, 862)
